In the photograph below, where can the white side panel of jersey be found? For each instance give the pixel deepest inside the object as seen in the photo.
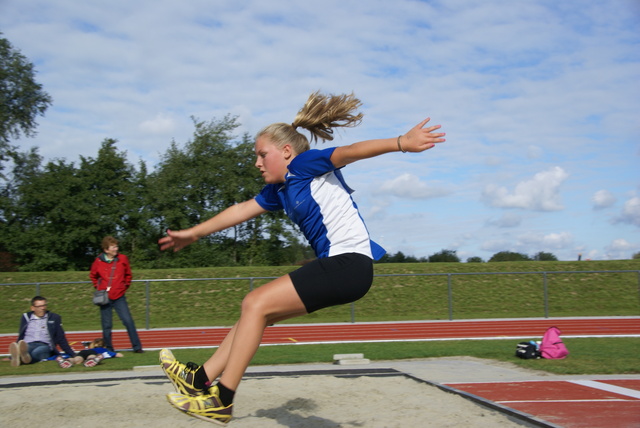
(345, 229)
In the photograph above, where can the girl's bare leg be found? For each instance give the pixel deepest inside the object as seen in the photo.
(273, 302)
(215, 365)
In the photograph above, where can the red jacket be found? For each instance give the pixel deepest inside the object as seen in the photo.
(121, 277)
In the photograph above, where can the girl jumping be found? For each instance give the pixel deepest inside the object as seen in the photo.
(308, 184)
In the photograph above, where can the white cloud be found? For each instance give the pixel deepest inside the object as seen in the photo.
(630, 212)
(508, 219)
(531, 243)
(410, 186)
(620, 249)
(161, 124)
(603, 199)
(541, 193)
(534, 152)
(497, 245)
(551, 241)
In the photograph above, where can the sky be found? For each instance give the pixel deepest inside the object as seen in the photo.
(540, 101)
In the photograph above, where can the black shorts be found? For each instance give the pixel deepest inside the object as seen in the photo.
(334, 280)
(86, 352)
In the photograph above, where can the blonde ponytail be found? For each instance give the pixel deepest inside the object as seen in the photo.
(320, 114)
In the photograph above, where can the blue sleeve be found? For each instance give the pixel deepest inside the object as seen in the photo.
(103, 351)
(268, 198)
(312, 163)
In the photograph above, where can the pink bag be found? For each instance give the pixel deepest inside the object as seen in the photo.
(551, 346)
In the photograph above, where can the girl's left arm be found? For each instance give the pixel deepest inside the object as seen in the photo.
(418, 139)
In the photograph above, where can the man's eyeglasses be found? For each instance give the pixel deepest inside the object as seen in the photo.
(40, 306)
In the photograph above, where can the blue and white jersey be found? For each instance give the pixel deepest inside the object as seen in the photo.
(317, 199)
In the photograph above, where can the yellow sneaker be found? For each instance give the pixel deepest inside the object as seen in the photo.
(207, 406)
(180, 375)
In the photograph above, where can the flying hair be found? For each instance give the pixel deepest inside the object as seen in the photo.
(319, 115)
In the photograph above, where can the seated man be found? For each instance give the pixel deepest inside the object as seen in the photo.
(40, 332)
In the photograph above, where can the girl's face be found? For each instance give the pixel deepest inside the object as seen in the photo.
(271, 160)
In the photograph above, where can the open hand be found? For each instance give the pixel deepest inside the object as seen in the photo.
(419, 139)
(177, 239)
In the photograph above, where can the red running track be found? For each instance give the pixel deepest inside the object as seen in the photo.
(517, 329)
(568, 404)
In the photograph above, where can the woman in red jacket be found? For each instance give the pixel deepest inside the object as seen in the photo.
(111, 271)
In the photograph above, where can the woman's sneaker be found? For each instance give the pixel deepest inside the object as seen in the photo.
(180, 375)
(206, 406)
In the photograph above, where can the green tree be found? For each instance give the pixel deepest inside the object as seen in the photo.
(22, 99)
(636, 256)
(475, 259)
(30, 230)
(210, 173)
(509, 256)
(56, 216)
(141, 228)
(15, 207)
(400, 257)
(53, 217)
(444, 256)
(541, 256)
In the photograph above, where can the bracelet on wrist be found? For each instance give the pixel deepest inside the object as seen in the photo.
(400, 146)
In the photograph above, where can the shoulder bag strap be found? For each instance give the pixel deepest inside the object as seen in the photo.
(113, 269)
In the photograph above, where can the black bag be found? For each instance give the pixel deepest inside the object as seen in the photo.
(527, 351)
(100, 297)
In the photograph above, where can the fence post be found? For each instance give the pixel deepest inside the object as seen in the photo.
(353, 312)
(546, 295)
(147, 304)
(250, 284)
(450, 297)
(37, 289)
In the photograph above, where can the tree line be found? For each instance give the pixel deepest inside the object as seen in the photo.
(54, 215)
(451, 256)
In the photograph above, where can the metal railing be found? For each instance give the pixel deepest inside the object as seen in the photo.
(450, 294)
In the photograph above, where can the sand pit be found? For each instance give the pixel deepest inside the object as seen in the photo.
(270, 401)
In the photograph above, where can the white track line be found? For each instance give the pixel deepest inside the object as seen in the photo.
(608, 387)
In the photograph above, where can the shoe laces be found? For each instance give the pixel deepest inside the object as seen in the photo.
(191, 366)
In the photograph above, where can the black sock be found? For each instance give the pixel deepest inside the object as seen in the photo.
(225, 394)
(200, 379)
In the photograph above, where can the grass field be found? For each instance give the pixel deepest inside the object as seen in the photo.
(421, 292)
(587, 355)
(416, 291)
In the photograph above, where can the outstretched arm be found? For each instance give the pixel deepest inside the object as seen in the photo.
(232, 216)
(416, 140)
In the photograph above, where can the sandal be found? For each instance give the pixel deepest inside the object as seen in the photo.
(92, 362)
(64, 364)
